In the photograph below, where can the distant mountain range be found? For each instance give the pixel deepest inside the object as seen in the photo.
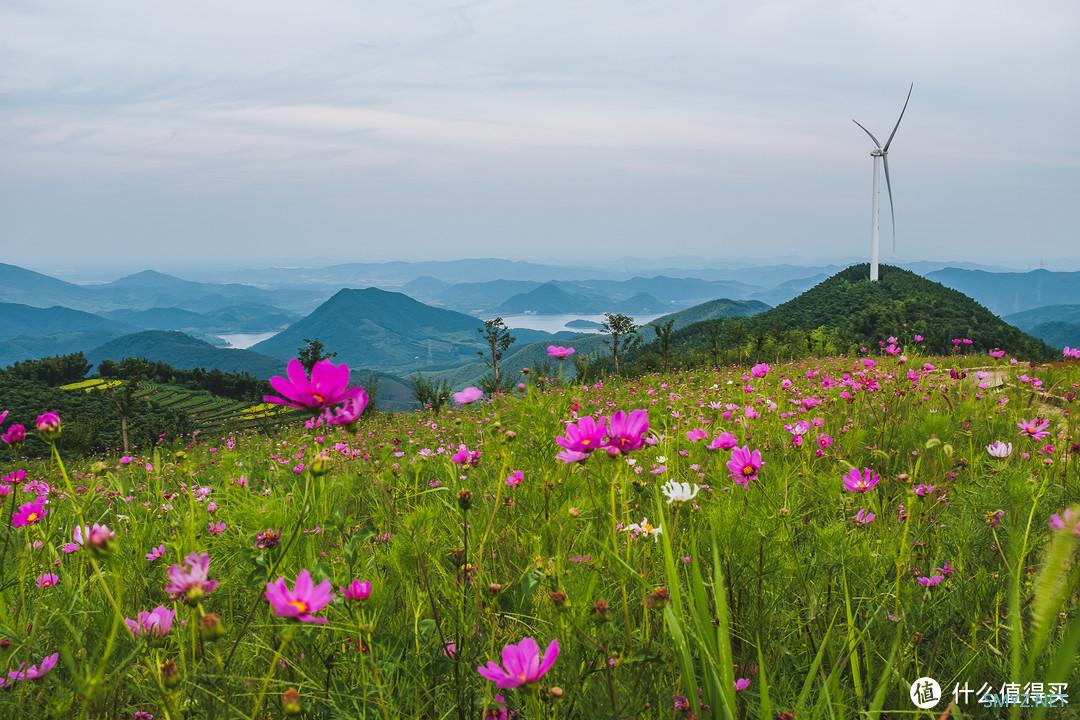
(1058, 325)
(1011, 292)
(398, 333)
(147, 289)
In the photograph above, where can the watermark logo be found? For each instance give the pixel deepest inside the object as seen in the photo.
(925, 693)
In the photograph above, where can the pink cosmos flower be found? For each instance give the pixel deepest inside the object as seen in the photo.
(741, 684)
(584, 436)
(514, 479)
(864, 517)
(300, 602)
(29, 513)
(156, 624)
(559, 352)
(744, 465)
(932, 581)
(696, 434)
(626, 432)
(1068, 519)
(192, 579)
(723, 441)
(1036, 428)
(571, 456)
(858, 482)
(34, 671)
(357, 590)
(999, 449)
(348, 412)
(465, 456)
(760, 370)
(14, 434)
(47, 580)
(468, 396)
(155, 553)
(328, 385)
(522, 664)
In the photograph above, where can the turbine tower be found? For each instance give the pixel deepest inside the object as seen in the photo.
(880, 154)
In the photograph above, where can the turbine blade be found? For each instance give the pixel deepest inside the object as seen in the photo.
(897, 126)
(892, 211)
(867, 132)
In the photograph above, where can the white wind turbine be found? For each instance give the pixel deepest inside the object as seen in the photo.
(881, 156)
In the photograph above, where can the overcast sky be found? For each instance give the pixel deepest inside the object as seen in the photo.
(171, 134)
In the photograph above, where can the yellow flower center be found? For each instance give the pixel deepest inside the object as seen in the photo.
(748, 470)
(32, 517)
(300, 605)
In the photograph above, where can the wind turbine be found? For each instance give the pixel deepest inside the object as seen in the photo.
(881, 157)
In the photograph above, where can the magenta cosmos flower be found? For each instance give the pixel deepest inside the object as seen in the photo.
(744, 465)
(192, 579)
(328, 385)
(559, 352)
(1066, 521)
(34, 671)
(723, 441)
(156, 623)
(1036, 428)
(357, 590)
(760, 370)
(522, 664)
(14, 434)
(300, 602)
(468, 396)
(584, 436)
(29, 513)
(348, 412)
(626, 432)
(858, 482)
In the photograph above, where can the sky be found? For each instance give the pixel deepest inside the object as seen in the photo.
(171, 135)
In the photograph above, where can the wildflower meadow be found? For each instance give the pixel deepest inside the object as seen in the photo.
(801, 540)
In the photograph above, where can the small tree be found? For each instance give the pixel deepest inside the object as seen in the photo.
(498, 339)
(130, 372)
(619, 327)
(663, 338)
(430, 394)
(714, 330)
(311, 352)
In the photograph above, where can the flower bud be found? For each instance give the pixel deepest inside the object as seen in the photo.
(211, 627)
(320, 464)
(559, 600)
(290, 701)
(600, 610)
(464, 499)
(48, 426)
(658, 598)
(170, 674)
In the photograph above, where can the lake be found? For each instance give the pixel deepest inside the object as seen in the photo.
(242, 341)
(557, 323)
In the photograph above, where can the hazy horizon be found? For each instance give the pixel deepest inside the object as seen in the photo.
(176, 137)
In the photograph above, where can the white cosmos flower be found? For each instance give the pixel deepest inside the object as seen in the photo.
(679, 492)
(644, 528)
(999, 449)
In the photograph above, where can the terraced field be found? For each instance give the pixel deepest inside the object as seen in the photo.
(208, 411)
